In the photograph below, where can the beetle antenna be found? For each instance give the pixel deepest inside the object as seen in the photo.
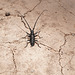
(26, 22)
(37, 19)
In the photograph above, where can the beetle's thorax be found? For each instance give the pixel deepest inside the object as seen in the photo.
(32, 32)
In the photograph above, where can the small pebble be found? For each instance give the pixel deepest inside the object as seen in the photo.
(7, 14)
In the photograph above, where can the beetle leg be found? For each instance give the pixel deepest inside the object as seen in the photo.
(38, 44)
(36, 40)
(26, 44)
(24, 37)
(28, 40)
(37, 32)
(27, 33)
(38, 36)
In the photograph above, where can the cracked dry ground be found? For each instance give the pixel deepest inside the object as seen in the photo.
(57, 25)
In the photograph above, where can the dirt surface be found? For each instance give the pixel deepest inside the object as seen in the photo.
(57, 29)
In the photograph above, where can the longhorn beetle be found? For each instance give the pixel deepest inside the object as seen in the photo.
(32, 40)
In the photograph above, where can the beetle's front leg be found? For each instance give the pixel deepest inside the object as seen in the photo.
(26, 44)
(37, 32)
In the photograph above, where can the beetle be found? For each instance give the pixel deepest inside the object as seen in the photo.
(32, 40)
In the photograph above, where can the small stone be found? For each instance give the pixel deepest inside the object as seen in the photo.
(7, 14)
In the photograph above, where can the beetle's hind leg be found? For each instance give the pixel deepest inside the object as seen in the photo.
(37, 44)
(36, 41)
(26, 44)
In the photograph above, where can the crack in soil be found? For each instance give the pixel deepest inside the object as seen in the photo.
(69, 61)
(30, 10)
(33, 7)
(65, 8)
(14, 41)
(49, 48)
(15, 66)
(14, 61)
(3, 72)
(65, 35)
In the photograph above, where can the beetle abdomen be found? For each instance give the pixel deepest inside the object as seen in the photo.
(32, 40)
